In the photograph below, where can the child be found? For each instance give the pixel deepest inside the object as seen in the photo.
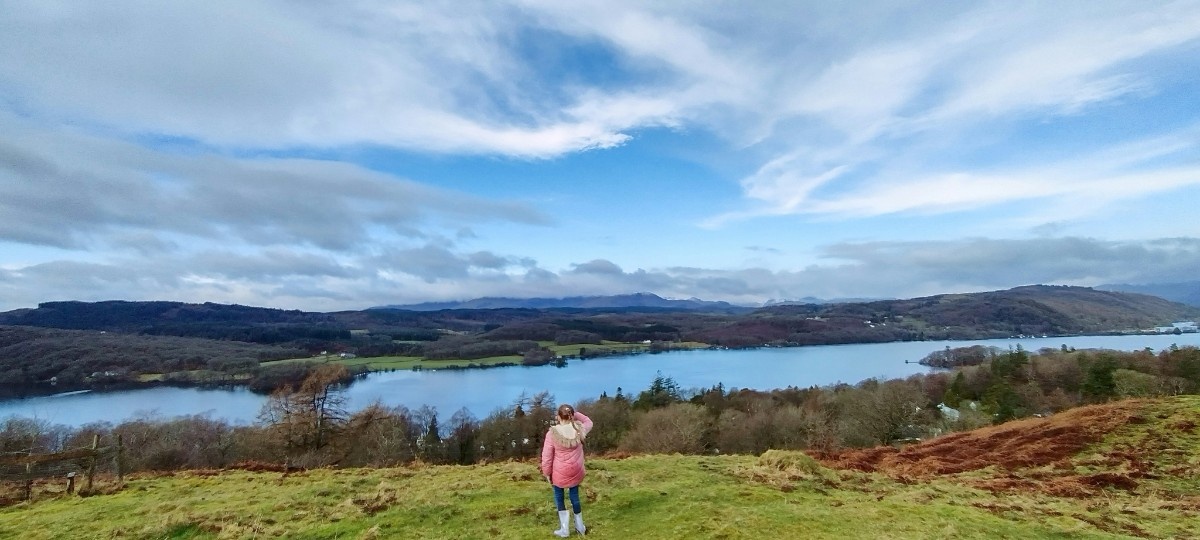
(562, 463)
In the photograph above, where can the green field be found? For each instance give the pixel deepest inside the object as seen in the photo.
(387, 363)
(777, 495)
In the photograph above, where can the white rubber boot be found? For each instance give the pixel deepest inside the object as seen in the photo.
(579, 526)
(563, 531)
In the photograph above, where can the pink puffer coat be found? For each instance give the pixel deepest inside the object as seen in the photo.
(562, 452)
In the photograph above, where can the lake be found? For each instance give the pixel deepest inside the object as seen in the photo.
(482, 391)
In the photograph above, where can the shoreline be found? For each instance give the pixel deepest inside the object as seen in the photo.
(362, 367)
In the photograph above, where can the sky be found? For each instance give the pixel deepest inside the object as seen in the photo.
(340, 155)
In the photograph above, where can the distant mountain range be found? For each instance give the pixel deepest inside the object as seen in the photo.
(493, 327)
(815, 300)
(636, 300)
(616, 301)
(1187, 292)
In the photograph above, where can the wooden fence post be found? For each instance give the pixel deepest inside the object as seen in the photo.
(71, 482)
(120, 457)
(29, 480)
(92, 463)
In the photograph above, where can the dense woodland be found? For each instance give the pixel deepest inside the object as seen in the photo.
(72, 358)
(79, 344)
(308, 425)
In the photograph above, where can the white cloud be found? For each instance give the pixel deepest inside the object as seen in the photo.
(959, 192)
(70, 190)
(425, 76)
(128, 125)
(294, 279)
(1066, 62)
(918, 96)
(598, 267)
(458, 77)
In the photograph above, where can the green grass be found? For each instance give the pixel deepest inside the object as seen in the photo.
(777, 495)
(392, 363)
(1166, 443)
(196, 375)
(640, 497)
(387, 363)
(614, 347)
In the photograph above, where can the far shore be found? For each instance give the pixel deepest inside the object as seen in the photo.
(361, 366)
(358, 365)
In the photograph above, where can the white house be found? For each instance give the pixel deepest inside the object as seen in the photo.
(1181, 326)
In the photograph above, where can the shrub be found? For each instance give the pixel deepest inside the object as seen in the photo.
(678, 428)
(791, 460)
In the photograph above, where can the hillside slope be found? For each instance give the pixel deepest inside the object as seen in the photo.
(29, 355)
(1138, 460)
(1034, 309)
(1031, 310)
(645, 300)
(1187, 292)
(505, 334)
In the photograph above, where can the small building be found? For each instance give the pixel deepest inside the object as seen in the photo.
(949, 413)
(1181, 327)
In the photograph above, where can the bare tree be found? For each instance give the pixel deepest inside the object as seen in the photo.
(681, 427)
(881, 413)
(307, 420)
(380, 436)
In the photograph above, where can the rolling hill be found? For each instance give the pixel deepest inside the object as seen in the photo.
(1036, 309)
(474, 334)
(636, 300)
(1119, 470)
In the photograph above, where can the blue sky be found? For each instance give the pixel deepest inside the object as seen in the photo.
(327, 156)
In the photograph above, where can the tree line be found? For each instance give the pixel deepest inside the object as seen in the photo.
(30, 356)
(118, 342)
(308, 425)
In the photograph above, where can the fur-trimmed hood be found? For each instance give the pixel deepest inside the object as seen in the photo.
(569, 435)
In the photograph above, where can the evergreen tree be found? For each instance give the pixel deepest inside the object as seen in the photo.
(663, 391)
(431, 441)
(955, 394)
(1099, 384)
(1003, 402)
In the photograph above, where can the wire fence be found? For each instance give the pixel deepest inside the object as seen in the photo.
(21, 474)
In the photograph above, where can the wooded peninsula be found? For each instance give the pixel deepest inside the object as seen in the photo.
(73, 345)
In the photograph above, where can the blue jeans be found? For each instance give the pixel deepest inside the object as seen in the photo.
(573, 492)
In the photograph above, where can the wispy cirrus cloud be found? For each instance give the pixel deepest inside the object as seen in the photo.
(250, 153)
(415, 75)
(979, 76)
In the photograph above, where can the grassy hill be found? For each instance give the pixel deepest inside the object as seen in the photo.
(1122, 470)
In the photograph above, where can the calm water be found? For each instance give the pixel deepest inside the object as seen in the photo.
(482, 391)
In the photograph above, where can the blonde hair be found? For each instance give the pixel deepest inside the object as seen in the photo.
(566, 413)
